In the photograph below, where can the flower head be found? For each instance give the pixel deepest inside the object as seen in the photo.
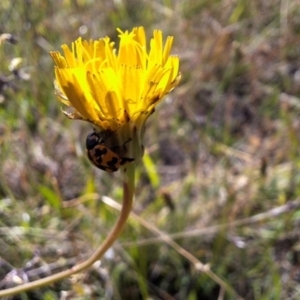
(116, 90)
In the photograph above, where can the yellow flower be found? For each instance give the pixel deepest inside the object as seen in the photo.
(116, 91)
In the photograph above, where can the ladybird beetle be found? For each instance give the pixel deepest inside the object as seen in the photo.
(102, 156)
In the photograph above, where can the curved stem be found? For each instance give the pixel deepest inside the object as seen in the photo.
(128, 191)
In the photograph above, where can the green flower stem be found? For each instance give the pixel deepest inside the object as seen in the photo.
(128, 191)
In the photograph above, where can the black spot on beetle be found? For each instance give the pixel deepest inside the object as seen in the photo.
(113, 162)
(101, 151)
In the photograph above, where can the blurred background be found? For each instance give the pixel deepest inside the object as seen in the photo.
(221, 173)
